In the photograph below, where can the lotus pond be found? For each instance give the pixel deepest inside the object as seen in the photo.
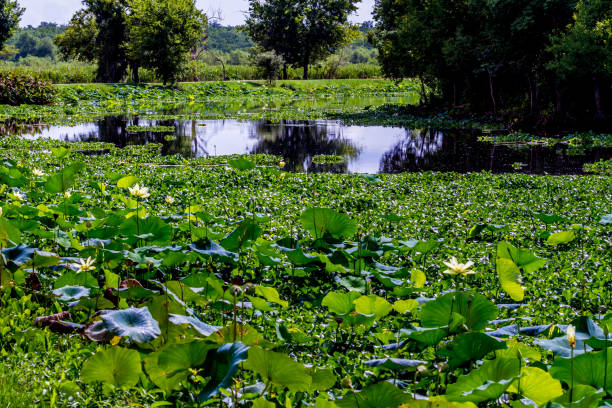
(132, 278)
(360, 149)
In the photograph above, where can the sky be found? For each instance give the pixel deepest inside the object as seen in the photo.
(60, 11)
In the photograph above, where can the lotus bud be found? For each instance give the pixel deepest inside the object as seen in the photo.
(347, 383)
(236, 290)
(571, 335)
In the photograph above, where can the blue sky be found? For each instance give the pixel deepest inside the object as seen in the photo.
(60, 11)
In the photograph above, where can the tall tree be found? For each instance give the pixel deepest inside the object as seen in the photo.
(10, 14)
(300, 31)
(111, 22)
(162, 34)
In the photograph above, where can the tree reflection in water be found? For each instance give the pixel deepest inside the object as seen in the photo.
(386, 149)
(461, 152)
(297, 142)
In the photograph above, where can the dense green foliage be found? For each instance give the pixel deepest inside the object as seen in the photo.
(526, 56)
(10, 14)
(266, 287)
(301, 32)
(78, 41)
(161, 34)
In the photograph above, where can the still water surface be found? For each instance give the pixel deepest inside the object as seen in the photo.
(366, 149)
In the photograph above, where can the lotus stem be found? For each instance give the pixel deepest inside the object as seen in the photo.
(605, 353)
(571, 395)
(235, 312)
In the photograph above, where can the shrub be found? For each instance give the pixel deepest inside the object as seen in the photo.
(18, 89)
(269, 66)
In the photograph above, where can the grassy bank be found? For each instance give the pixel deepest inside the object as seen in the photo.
(314, 99)
(79, 72)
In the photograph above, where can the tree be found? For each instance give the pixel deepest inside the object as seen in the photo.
(162, 34)
(300, 31)
(486, 55)
(111, 37)
(79, 40)
(583, 54)
(10, 14)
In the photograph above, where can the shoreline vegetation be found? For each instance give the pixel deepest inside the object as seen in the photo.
(77, 102)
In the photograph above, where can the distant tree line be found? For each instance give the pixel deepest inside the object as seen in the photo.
(526, 56)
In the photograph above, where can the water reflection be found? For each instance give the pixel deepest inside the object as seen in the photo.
(369, 149)
(299, 142)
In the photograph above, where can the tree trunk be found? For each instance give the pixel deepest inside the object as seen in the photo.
(423, 93)
(558, 98)
(492, 94)
(306, 61)
(135, 73)
(531, 96)
(284, 72)
(597, 97)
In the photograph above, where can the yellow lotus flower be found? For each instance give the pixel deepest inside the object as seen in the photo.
(37, 173)
(282, 164)
(1, 211)
(86, 265)
(456, 268)
(67, 194)
(139, 192)
(571, 335)
(169, 200)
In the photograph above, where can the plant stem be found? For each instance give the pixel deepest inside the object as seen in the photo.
(571, 395)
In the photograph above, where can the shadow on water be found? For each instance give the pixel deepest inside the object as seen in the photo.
(366, 149)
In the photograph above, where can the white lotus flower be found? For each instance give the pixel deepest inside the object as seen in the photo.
(20, 196)
(139, 192)
(456, 268)
(169, 200)
(37, 173)
(86, 265)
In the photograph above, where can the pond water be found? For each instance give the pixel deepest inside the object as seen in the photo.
(366, 149)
